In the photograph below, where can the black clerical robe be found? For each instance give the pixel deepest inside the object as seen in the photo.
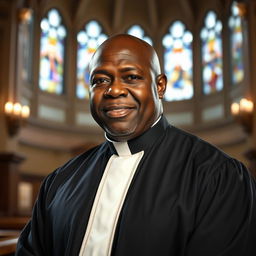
(186, 198)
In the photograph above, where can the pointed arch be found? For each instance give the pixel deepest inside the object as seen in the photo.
(52, 53)
(178, 62)
(235, 25)
(212, 62)
(88, 40)
(138, 31)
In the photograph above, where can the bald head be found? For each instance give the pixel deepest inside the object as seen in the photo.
(126, 87)
(127, 44)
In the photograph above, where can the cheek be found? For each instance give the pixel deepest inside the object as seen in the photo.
(95, 99)
(94, 107)
(149, 106)
(147, 100)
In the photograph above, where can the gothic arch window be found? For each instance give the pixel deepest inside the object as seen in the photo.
(88, 40)
(52, 52)
(236, 44)
(25, 46)
(178, 62)
(138, 31)
(212, 73)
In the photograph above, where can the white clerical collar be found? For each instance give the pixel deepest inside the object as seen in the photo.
(122, 148)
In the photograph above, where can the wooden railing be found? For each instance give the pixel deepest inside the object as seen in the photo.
(10, 228)
(8, 241)
(13, 223)
(18, 193)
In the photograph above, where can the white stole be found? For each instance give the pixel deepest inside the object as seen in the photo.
(109, 200)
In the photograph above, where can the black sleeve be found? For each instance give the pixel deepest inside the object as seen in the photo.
(32, 240)
(226, 216)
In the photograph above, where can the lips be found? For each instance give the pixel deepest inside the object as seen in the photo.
(118, 111)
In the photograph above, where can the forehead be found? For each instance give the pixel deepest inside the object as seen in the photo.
(117, 55)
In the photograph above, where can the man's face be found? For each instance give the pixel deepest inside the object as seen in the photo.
(124, 97)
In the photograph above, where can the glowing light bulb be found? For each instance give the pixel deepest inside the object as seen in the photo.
(17, 109)
(235, 108)
(8, 107)
(25, 111)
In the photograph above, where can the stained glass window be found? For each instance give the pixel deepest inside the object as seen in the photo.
(52, 51)
(236, 43)
(212, 73)
(138, 31)
(178, 62)
(88, 40)
(25, 45)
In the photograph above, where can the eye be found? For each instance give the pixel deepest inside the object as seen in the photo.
(132, 78)
(100, 81)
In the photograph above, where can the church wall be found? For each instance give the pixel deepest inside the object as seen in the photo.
(102, 11)
(252, 59)
(181, 10)
(41, 161)
(46, 144)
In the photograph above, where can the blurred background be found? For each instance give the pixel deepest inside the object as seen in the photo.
(206, 48)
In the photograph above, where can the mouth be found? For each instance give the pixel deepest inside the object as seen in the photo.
(118, 111)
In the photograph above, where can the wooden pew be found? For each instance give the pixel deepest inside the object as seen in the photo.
(13, 223)
(10, 228)
(8, 246)
(8, 241)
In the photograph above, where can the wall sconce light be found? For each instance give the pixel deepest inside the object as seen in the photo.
(16, 116)
(243, 113)
(241, 8)
(25, 14)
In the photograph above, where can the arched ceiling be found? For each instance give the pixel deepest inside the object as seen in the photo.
(118, 14)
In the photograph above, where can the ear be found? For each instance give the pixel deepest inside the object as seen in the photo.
(161, 82)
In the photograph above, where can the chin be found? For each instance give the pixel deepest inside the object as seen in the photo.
(120, 135)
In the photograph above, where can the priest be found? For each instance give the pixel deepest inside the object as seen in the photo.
(150, 189)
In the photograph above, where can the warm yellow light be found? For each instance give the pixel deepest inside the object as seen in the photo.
(8, 108)
(25, 111)
(246, 105)
(16, 116)
(243, 113)
(25, 14)
(235, 108)
(17, 109)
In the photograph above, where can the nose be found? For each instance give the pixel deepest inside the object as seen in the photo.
(115, 90)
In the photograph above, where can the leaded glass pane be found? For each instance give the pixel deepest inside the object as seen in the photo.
(212, 73)
(52, 51)
(178, 62)
(236, 42)
(88, 41)
(25, 46)
(138, 31)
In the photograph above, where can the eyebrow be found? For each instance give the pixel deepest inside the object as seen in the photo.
(122, 70)
(100, 71)
(126, 69)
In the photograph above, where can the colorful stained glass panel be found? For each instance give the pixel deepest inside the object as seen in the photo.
(52, 51)
(138, 31)
(178, 62)
(88, 41)
(25, 47)
(236, 42)
(212, 73)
